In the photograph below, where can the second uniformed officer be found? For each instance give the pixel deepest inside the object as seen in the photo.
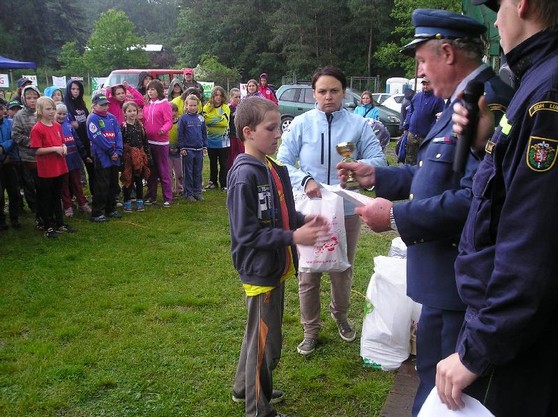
(449, 51)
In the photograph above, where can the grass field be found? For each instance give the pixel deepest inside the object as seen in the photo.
(144, 316)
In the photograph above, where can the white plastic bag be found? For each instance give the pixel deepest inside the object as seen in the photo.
(384, 343)
(329, 255)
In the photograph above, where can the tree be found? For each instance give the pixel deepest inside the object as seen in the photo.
(71, 60)
(113, 44)
(388, 54)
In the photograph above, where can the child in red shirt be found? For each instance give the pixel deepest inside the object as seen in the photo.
(47, 138)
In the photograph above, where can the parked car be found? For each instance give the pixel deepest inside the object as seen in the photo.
(379, 98)
(132, 76)
(394, 102)
(295, 99)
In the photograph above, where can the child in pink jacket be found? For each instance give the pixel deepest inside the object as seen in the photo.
(118, 94)
(157, 120)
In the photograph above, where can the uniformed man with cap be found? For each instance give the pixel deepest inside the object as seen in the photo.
(507, 268)
(449, 51)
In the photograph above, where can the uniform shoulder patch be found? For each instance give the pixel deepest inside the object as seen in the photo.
(541, 153)
(543, 106)
(92, 127)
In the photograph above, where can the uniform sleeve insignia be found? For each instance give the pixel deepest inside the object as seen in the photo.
(92, 127)
(541, 153)
(543, 105)
(102, 123)
(494, 107)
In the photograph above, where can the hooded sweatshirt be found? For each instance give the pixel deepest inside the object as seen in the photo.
(77, 111)
(142, 76)
(24, 120)
(258, 239)
(49, 91)
(157, 117)
(174, 82)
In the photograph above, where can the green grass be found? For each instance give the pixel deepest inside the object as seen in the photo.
(144, 316)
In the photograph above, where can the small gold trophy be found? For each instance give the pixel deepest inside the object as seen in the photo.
(345, 149)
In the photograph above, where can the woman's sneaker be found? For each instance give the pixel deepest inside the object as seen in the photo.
(139, 205)
(85, 208)
(69, 212)
(307, 346)
(127, 206)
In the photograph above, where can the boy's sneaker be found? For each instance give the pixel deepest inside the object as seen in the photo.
(139, 205)
(198, 197)
(167, 204)
(100, 219)
(50, 233)
(307, 346)
(150, 201)
(191, 199)
(346, 330)
(65, 228)
(39, 225)
(276, 397)
(69, 212)
(85, 208)
(128, 206)
(115, 215)
(210, 186)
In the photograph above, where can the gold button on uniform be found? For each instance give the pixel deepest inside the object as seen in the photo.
(411, 196)
(420, 164)
(438, 156)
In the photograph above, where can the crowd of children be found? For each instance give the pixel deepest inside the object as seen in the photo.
(51, 145)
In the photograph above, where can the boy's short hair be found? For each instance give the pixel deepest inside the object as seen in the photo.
(61, 106)
(251, 112)
(192, 97)
(42, 102)
(128, 104)
(234, 90)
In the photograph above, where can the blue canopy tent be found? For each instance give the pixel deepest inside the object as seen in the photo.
(11, 64)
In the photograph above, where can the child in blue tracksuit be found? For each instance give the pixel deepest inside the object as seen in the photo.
(71, 183)
(106, 148)
(192, 142)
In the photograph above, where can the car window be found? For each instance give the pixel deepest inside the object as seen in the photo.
(288, 95)
(116, 79)
(398, 99)
(309, 96)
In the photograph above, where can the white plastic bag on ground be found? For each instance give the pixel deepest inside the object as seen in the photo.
(384, 343)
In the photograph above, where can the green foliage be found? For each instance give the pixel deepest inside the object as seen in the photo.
(144, 316)
(113, 44)
(71, 60)
(388, 54)
(211, 69)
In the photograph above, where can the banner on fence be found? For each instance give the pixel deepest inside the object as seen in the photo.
(207, 87)
(4, 81)
(97, 82)
(33, 79)
(59, 82)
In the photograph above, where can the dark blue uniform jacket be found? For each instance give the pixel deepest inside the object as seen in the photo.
(431, 221)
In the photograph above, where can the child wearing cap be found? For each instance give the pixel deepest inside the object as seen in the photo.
(106, 148)
(9, 160)
(13, 107)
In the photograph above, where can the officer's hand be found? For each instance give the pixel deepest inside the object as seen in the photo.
(376, 214)
(312, 189)
(363, 173)
(485, 126)
(452, 377)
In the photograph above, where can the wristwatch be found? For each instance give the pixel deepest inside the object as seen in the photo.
(392, 223)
